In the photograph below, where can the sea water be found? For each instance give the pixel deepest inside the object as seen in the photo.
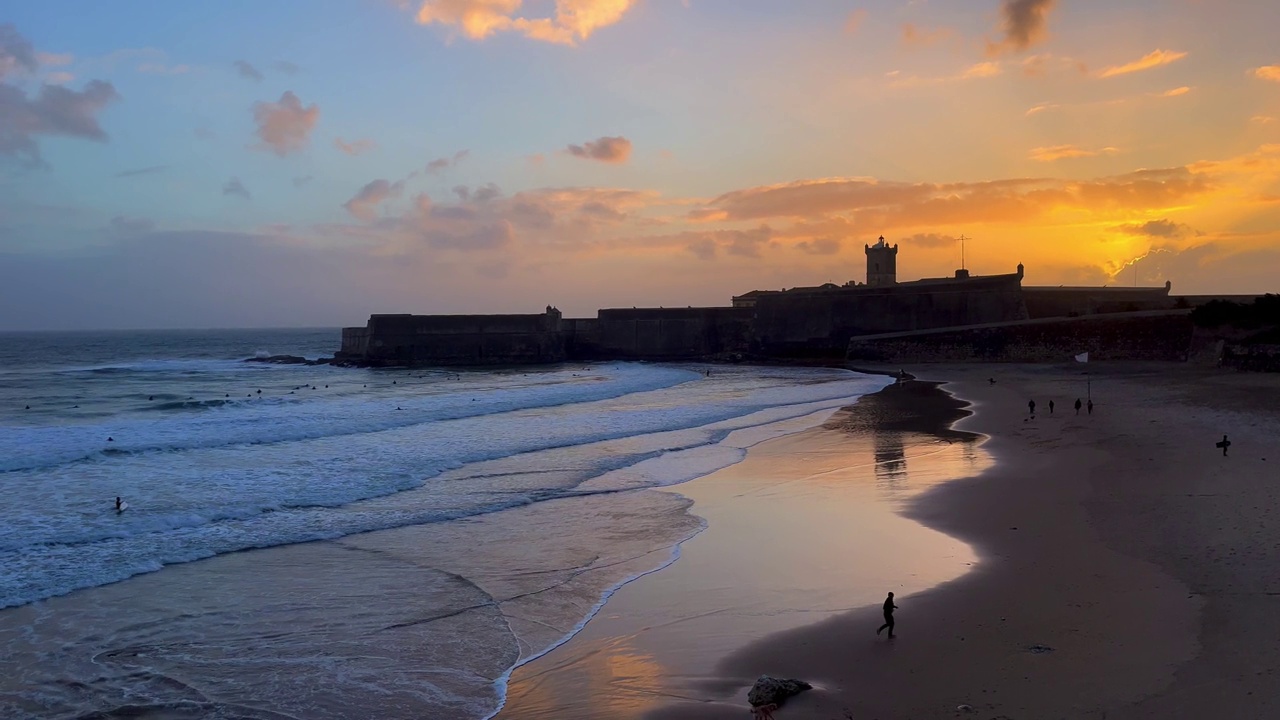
(493, 509)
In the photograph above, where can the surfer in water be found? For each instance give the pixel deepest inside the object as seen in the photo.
(119, 505)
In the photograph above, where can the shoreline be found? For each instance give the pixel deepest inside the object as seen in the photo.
(1124, 570)
(794, 491)
(1108, 587)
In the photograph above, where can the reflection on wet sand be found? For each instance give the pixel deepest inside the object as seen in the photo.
(637, 683)
(891, 456)
(803, 529)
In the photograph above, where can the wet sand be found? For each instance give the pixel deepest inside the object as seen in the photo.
(1127, 570)
(805, 528)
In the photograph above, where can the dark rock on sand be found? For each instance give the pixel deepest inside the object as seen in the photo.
(774, 691)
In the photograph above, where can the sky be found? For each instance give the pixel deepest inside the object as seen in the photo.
(250, 164)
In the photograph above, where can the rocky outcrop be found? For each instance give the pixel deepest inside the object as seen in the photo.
(769, 691)
(289, 360)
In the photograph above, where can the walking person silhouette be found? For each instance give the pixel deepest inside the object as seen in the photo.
(1077, 406)
(1031, 405)
(889, 607)
(1050, 407)
(1224, 445)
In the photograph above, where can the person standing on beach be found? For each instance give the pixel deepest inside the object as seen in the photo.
(1031, 405)
(1050, 407)
(1091, 406)
(889, 607)
(1077, 406)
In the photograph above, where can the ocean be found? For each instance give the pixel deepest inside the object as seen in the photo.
(474, 518)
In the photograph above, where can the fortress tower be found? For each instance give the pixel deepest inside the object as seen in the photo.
(882, 264)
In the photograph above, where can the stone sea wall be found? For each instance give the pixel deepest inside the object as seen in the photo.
(669, 333)
(1155, 335)
(395, 340)
(821, 322)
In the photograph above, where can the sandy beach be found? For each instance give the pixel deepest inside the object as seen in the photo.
(1125, 569)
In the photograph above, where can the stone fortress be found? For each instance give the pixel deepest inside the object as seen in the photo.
(963, 318)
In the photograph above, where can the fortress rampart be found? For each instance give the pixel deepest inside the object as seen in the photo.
(820, 322)
(958, 319)
(406, 340)
(1153, 335)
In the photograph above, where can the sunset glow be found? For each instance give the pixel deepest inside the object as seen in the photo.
(309, 165)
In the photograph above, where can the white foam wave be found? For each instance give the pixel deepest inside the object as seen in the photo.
(599, 436)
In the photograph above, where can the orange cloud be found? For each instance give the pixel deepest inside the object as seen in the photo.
(973, 72)
(1267, 72)
(1175, 92)
(355, 147)
(1153, 59)
(868, 202)
(913, 36)
(574, 20)
(1066, 152)
(285, 126)
(615, 150)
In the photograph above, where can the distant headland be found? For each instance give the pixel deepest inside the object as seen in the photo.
(964, 318)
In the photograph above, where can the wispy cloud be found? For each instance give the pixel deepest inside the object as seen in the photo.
(1153, 59)
(573, 22)
(1024, 23)
(1157, 228)
(365, 203)
(236, 188)
(355, 147)
(247, 71)
(123, 225)
(931, 240)
(854, 21)
(973, 72)
(159, 68)
(285, 126)
(1267, 72)
(48, 59)
(1067, 152)
(1170, 93)
(444, 163)
(142, 171)
(615, 150)
(287, 67)
(916, 36)
(16, 52)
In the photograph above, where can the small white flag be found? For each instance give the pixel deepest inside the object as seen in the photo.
(1082, 357)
